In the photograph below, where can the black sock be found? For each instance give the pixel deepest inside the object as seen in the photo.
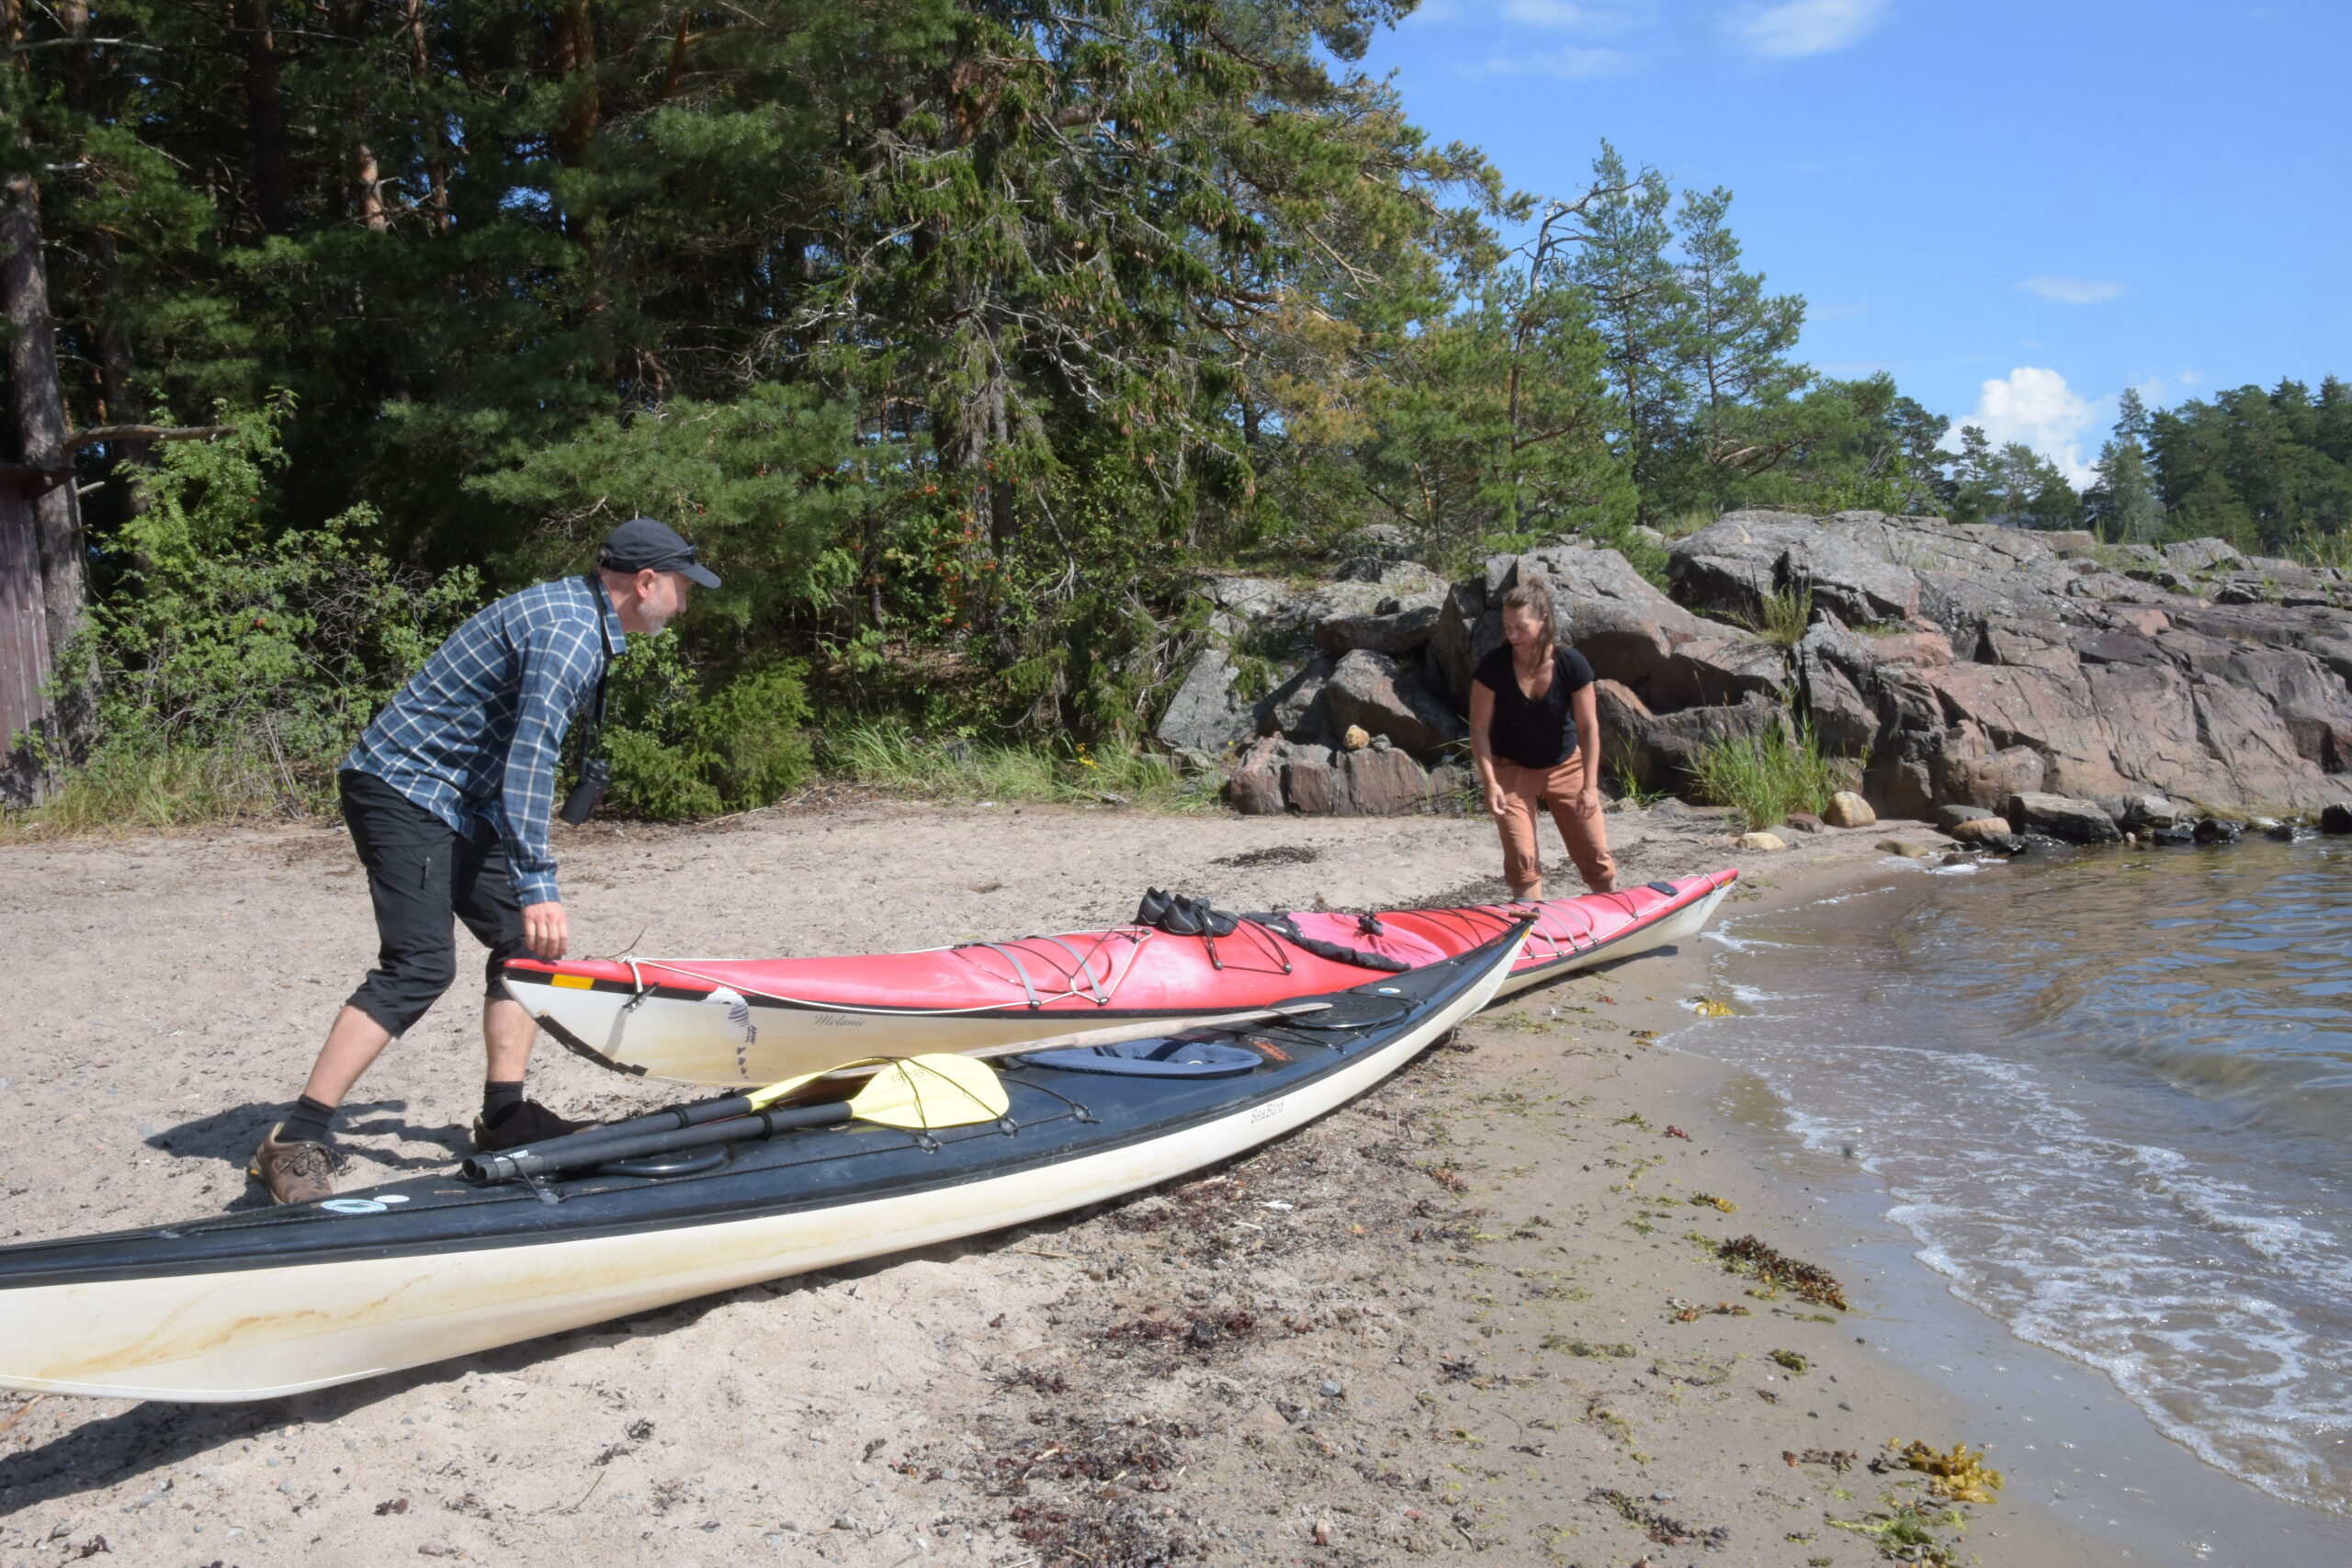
(498, 1100)
(308, 1123)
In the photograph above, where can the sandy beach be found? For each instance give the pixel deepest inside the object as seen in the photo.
(1483, 1310)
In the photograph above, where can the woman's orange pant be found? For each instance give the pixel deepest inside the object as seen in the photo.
(1585, 837)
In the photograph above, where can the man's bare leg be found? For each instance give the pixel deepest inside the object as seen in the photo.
(507, 1033)
(352, 1047)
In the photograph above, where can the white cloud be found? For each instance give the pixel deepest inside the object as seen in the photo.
(1800, 28)
(2036, 407)
(1570, 64)
(2073, 290)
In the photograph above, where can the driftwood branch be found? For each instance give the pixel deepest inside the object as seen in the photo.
(96, 434)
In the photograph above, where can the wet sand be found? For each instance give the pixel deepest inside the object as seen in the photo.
(1477, 1311)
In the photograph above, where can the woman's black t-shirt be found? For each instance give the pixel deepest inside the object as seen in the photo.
(1541, 733)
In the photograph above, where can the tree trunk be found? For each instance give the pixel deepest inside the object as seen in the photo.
(24, 645)
(54, 566)
(575, 52)
(43, 434)
(436, 167)
(371, 188)
(266, 109)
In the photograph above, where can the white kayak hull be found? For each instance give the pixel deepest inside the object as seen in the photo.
(260, 1332)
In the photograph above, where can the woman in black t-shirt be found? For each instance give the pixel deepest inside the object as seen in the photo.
(1535, 732)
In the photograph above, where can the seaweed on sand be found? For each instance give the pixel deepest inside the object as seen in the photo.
(1961, 1475)
(1775, 1267)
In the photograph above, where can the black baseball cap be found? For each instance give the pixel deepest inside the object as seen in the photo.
(641, 542)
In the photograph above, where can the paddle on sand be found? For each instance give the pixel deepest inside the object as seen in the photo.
(919, 1093)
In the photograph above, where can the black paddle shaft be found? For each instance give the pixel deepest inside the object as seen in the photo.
(663, 1121)
(561, 1154)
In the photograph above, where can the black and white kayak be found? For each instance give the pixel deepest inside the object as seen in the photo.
(257, 1304)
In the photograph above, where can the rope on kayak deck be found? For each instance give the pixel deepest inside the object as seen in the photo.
(746, 989)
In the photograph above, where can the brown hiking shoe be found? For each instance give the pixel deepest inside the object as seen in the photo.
(529, 1123)
(295, 1173)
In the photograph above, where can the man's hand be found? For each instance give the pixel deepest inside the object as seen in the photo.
(1586, 803)
(545, 931)
(1497, 802)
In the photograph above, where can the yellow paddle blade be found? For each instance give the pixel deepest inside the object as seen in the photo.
(761, 1099)
(937, 1090)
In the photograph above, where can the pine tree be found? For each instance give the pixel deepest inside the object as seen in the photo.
(1637, 306)
(2123, 504)
(1727, 345)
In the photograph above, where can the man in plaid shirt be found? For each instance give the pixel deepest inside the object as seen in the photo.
(448, 796)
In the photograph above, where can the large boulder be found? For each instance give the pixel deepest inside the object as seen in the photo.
(1711, 671)
(1256, 788)
(1604, 609)
(2057, 816)
(1275, 617)
(1396, 626)
(1207, 713)
(1860, 566)
(1295, 709)
(1381, 781)
(1310, 781)
(1383, 697)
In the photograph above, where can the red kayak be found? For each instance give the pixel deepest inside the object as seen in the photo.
(758, 1021)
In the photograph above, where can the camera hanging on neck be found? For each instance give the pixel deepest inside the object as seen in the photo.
(596, 772)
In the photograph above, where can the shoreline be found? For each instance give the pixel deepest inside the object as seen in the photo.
(1150, 1378)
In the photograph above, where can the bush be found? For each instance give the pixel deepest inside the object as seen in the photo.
(678, 752)
(235, 669)
(1766, 777)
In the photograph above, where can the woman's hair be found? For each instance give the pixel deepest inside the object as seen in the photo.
(1533, 595)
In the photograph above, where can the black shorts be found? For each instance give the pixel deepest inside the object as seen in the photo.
(420, 872)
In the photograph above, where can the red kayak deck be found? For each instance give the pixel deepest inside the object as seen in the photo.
(1140, 970)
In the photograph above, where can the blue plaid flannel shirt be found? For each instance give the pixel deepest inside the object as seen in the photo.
(475, 737)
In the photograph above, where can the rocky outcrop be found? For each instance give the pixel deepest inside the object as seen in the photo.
(1625, 627)
(1379, 780)
(1955, 665)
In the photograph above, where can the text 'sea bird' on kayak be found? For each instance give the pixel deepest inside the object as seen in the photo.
(871, 1159)
(754, 1021)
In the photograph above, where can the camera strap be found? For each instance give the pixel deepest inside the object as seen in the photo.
(595, 735)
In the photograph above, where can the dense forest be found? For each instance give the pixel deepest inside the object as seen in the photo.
(958, 333)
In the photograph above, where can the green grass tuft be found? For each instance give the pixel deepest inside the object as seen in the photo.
(1767, 777)
(1782, 618)
(889, 757)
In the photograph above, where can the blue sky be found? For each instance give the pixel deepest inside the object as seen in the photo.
(2017, 209)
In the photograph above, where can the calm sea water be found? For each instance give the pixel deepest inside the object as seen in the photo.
(2112, 1098)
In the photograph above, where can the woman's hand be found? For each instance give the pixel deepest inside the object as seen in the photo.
(1498, 801)
(1586, 803)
